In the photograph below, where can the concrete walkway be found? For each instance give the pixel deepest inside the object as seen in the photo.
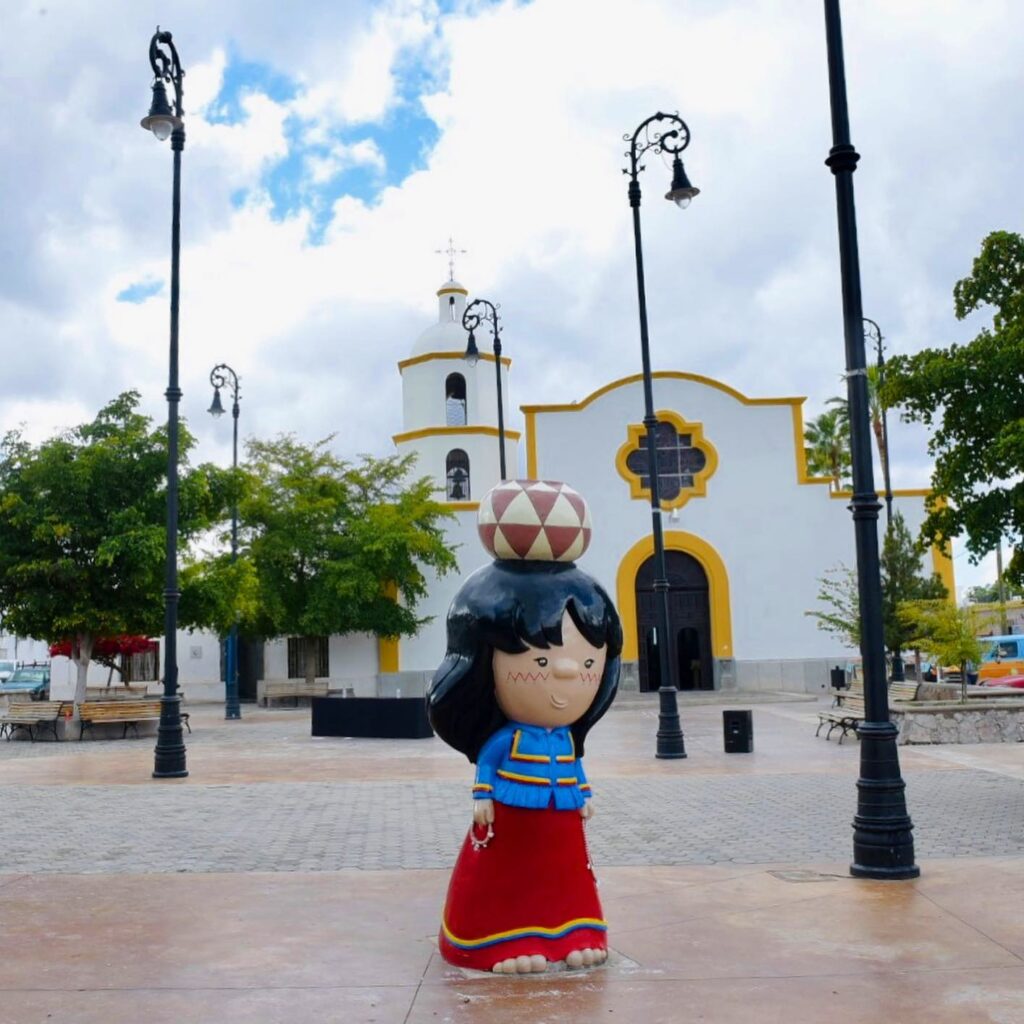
(291, 879)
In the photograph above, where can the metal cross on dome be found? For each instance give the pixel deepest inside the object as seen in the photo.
(451, 252)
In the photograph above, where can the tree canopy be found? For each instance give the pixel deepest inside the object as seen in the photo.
(326, 547)
(971, 397)
(827, 444)
(944, 631)
(83, 528)
(903, 581)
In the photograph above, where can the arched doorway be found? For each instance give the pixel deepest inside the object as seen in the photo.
(689, 613)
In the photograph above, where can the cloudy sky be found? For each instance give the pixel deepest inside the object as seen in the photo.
(334, 146)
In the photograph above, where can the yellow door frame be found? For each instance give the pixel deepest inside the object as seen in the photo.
(718, 589)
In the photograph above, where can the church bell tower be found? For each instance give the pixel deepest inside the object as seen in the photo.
(450, 408)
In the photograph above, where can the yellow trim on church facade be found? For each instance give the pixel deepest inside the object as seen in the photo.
(661, 375)
(387, 646)
(718, 589)
(487, 357)
(635, 441)
(795, 403)
(415, 435)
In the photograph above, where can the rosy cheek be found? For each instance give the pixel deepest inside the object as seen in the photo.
(526, 677)
(590, 676)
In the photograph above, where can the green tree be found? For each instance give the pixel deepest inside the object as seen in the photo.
(83, 528)
(326, 547)
(946, 632)
(876, 410)
(988, 593)
(827, 442)
(840, 615)
(903, 581)
(971, 397)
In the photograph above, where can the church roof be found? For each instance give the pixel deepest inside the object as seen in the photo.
(447, 334)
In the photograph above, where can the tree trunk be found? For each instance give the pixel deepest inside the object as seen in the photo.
(81, 655)
(876, 426)
(309, 646)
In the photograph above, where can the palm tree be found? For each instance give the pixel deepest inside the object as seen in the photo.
(827, 441)
(875, 410)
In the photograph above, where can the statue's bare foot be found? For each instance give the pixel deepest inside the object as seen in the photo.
(586, 957)
(535, 964)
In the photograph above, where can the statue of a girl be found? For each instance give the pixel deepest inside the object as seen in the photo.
(532, 664)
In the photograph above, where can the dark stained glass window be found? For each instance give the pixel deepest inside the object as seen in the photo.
(678, 461)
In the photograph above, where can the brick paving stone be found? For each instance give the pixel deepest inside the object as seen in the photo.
(419, 824)
(373, 805)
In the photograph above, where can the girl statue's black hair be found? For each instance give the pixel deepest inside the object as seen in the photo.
(510, 606)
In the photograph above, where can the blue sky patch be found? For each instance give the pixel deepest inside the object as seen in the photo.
(404, 138)
(140, 291)
(242, 77)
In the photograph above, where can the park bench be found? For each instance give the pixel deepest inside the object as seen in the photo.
(124, 712)
(292, 689)
(848, 711)
(32, 714)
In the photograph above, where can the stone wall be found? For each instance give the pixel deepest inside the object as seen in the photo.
(947, 722)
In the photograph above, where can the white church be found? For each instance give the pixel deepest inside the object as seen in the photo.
(748, 533)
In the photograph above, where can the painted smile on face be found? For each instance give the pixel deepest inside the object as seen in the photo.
(550, 686)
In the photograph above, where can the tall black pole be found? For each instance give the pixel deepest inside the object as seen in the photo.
(223, 376)
(169, 755)
(883, 845)
(670, 742)
(471, 319)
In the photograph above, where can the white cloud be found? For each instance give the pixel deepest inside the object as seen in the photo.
(531, 101)
(340, 157)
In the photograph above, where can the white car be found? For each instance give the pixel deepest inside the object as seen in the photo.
(6, 670)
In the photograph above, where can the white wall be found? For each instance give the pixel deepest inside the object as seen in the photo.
(20, 648)
(425, 651)
(775, 536)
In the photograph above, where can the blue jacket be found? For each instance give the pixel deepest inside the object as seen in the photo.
(530, 766)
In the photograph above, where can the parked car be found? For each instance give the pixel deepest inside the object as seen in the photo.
(1010, 682)
(1004, 656)
(28, 682)
(6, 670)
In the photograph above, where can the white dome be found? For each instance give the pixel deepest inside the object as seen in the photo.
(448, 334)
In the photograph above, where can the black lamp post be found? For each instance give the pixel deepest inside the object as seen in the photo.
(649, 136)
(163, 122)
(223, 376)
(872, 332)
(883, 843)
(471, 320)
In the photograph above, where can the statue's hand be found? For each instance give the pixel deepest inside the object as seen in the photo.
(483, 812)
(587, 810)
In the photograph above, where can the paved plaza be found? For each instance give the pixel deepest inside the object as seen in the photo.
(297, 879)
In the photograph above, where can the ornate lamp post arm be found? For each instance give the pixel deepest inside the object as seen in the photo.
(472, 318)
(650, 136)
(883, 844)
(223, 376)
(162, 121)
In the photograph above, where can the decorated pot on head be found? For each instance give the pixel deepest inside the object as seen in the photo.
(533, 656)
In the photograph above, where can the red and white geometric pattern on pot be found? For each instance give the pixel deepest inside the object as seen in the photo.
(535, 520)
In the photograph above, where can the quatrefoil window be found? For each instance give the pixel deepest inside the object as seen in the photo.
(684, 460)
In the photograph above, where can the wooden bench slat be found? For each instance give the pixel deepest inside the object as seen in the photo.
(848, 714)
(124, 712)
(29, 714)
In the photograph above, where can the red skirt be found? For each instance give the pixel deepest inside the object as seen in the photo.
(530, 890)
